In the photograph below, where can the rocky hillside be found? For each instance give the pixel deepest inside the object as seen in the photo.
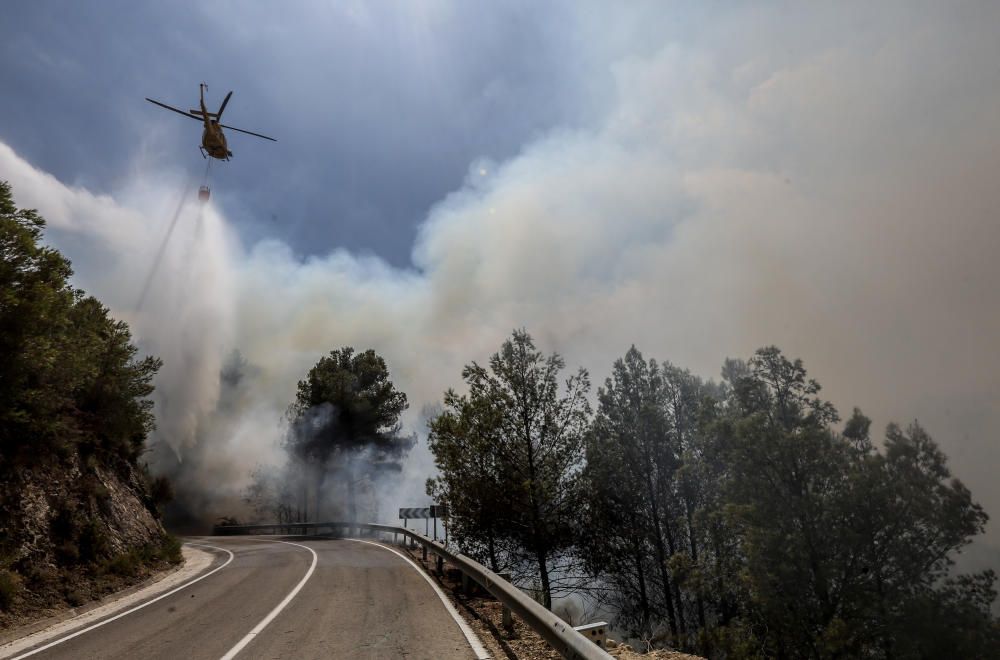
(78, 512)
(73, 531)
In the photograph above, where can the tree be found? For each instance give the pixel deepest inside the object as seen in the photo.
(840, 541)
(69, 375)
(777, 535)
(531, 436)
(345, 417)
(629, 438)
(911, 518)
(471, 480)
(648, 489)
(270, 495)
(35, 304)
(74, 417)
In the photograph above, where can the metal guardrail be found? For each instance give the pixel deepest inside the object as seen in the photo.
(560, 635)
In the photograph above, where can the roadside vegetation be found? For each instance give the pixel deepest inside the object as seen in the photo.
(343, 436)
(78, 509)
(736, 519)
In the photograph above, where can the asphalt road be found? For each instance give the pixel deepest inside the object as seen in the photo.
(280, 600)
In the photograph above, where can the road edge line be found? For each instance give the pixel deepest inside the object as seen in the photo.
(470, 634)
(134, 609)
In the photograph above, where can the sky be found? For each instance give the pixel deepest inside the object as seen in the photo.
(700, 179)
(378, 107)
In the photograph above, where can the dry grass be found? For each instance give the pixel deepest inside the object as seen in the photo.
(626, 652)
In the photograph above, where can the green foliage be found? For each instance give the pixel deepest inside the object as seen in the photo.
(840, 540)
(345, 420)
(509, 455)
(134, 562)
(170, 550)
(161, 491)
(73, 400)
(65, 528)
(77, 538)
(10, 586)
(75, 597)
(471, 479)
(733, 519)
(347, 402)
(93, 542)
(126, 564)
(69, 376)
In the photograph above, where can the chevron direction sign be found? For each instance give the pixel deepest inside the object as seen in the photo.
(414, 513)
(432, 511)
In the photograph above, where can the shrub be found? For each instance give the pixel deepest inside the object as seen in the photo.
(160, 491)
(126, 564)
(75, 597)
(10, 585)
(171, 549)
(93, 541)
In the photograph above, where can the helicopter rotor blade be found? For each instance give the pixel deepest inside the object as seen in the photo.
(248, 132)
(178, 111)
(223, 106)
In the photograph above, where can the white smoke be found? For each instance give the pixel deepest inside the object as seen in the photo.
(837, 198)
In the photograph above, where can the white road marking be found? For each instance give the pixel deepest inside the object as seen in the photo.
(277, 610)
(470, 635)
(134, 609)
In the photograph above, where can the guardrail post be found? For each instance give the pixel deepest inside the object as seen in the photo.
(440, 565)
(466, 587)
(507, 618)
(424, 552)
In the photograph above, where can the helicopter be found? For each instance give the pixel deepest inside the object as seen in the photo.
(213, 140)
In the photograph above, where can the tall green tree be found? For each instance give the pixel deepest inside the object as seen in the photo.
(840, 540)
(462, 437)
(70, 377)
(778, 535)
(629, 433)
(527, 431)
(346, 417)
(647, 490)
(74, 411)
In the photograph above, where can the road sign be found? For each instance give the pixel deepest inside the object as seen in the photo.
(432, 511)
(415, 512)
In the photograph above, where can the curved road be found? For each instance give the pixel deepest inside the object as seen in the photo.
(306, 598)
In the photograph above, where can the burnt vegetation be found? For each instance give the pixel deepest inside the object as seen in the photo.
(78, 508)
(736, 519)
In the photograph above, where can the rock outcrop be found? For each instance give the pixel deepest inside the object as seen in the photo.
(73, 530)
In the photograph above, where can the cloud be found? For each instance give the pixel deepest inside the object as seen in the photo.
(834, 194)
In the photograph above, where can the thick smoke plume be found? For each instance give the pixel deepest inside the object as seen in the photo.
(811, 183)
